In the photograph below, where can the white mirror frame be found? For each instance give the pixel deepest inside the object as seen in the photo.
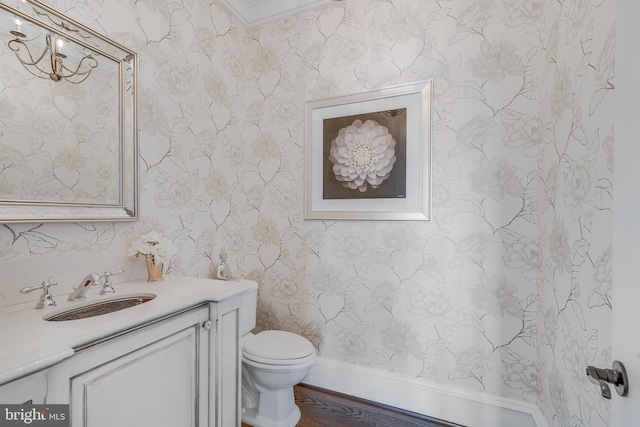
(127, 209)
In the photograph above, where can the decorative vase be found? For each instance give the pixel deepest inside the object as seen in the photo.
(154, 269)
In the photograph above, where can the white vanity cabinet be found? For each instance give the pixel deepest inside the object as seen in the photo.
(182, 370)
(29, 389)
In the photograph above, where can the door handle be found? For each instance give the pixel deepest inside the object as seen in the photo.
(616, 376)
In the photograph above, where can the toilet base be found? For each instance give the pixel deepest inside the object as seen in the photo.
(250, 416)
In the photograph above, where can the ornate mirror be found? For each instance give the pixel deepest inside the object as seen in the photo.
(68, 120)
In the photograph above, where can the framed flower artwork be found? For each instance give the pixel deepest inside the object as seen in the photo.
(367, 156)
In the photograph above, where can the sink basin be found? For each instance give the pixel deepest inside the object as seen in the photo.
(97, 308)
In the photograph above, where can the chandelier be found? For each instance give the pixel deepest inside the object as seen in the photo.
(51, 63)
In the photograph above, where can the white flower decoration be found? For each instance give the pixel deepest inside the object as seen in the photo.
(153, 243)
(363, 154)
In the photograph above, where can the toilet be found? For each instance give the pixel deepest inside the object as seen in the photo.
(272, 363)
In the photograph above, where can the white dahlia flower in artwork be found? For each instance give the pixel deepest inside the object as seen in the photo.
(363, 154)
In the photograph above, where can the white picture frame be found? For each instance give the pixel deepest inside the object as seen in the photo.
(404, 193)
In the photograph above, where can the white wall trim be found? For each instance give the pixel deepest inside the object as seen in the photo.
(257, 12)
(445, 402)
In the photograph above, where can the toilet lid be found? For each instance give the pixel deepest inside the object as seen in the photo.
(278, 345)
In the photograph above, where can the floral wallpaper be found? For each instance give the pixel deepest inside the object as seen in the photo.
(506, 291)
(575, 161)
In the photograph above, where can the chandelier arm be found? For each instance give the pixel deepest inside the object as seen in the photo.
(19, 42)
(91, 66)
(81, 75)
(58, 69)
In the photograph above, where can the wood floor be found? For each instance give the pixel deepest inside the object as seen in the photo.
(323, 408)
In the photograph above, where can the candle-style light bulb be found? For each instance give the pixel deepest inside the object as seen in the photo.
(59, 44)
(18, 25)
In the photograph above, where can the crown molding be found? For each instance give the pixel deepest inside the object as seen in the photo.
(253, 13)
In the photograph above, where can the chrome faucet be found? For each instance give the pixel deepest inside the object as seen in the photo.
(80, 291)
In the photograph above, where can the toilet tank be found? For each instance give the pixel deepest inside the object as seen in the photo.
(248, 307)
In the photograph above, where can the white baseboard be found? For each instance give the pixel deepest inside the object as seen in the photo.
(445, 402)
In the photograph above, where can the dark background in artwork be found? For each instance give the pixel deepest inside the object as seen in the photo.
(393, 187)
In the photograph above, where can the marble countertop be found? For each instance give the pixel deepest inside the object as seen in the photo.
(29, 344)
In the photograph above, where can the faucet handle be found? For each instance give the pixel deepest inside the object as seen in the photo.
(43, 285)
(107, 287)
(46, 299)
(107, 274)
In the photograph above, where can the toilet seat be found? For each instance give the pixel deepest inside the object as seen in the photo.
(278, 348)
(285, 363)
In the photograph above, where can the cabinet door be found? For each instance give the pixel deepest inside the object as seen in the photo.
(30, 389)
(226, 366)
(155, 386)
(156, 376)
